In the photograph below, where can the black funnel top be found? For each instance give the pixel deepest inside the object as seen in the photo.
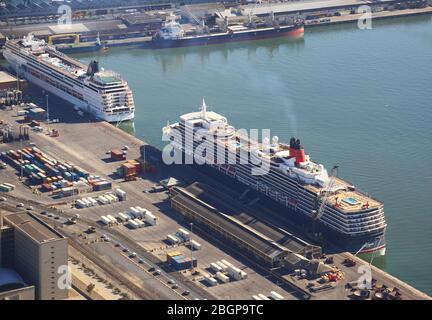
(93, 68)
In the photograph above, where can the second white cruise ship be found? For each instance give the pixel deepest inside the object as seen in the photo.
(102, 93)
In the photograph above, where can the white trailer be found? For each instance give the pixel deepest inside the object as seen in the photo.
(243, 274)
(140, 223)
(141, 210)
(123, 216)
(105, 220)
(81, 204)
(222, 265)
(87, 202)
(223, 278)
(102, 200)
(226, 263)
(150, 218)
(234, 272)
(111, 198)
(130, 215)
(93, 201)
(133, 224)
(172, 239)
(211, 281)
(184, 234)
(255, 297)
(215, 267)
(195, 245)
(134, 212)
(112, 219)
(121, 194)
(263, 297)
(276, 295)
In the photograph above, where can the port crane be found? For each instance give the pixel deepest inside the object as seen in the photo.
(318, 213)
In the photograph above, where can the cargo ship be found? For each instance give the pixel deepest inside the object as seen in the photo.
(101, 93)
(173, 35)
(334, 209)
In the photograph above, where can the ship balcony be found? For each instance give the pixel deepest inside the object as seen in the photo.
(343, 224)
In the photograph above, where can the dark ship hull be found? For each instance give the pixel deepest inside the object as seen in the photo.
(372, 243)
(293, 31)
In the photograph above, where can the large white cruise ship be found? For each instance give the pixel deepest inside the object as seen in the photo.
(102, 93)
(313, 197)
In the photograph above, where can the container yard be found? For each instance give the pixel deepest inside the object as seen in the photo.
(215, 268)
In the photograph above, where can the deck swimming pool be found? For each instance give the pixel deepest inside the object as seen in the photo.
(350, 200)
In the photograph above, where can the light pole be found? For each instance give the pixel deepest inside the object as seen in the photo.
(47, 112)
(21, 176)
(191, 246)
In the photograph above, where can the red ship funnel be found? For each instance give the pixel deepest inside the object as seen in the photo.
(300, 156)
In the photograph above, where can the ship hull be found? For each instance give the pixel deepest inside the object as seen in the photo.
(288, 31)
(373, 243)
(19, 66)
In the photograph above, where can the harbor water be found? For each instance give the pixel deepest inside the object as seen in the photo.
(357, 98)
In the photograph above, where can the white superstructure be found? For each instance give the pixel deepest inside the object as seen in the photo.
(99, 92)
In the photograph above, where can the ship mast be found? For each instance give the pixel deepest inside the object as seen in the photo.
(204, 110)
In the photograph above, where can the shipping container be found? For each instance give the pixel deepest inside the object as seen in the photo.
(183, 263)
(223, 278)
(172, 254)
(117, 155)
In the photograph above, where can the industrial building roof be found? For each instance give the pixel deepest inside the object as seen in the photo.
(33, 227)
(298, 6)
(234, 228)
(227, 205)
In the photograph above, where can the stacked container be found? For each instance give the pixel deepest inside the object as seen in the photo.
(183, 263)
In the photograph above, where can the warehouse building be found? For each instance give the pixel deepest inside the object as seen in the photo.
(36, 252)
(254, 243)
